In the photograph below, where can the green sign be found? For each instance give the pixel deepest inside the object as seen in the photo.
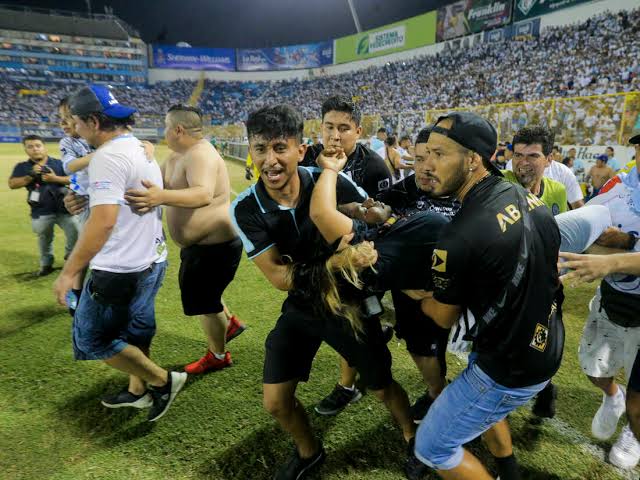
(413, 32)
(534, 8)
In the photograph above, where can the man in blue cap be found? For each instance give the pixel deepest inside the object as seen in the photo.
(115, 318)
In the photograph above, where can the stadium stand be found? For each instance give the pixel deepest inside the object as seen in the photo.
(596, 57)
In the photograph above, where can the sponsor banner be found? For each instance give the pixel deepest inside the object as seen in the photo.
(9, 139)
(525, 29)
(147, 132)
(411, 33)
(471, 16)
(586, 158)
(534, 8)
(290, 57)
(167, 56)
(45, 132)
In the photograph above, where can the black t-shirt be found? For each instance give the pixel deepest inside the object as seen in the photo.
(474, 261)
(405, 199)
(262, 223)
(49, 202)
(364, 166)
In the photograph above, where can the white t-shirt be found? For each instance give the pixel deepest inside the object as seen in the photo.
(561, 173)
(137, 240)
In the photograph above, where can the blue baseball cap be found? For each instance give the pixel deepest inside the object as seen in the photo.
(98, 99)
(602, 157)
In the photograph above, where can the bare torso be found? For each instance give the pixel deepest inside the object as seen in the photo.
(205, 225)
(600, 175)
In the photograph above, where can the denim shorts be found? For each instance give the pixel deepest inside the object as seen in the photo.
(102, 330)
(466, 408)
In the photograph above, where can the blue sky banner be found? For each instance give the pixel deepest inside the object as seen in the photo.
(168, 56)
(290, 57)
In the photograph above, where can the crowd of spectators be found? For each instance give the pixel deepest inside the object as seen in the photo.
(595, 57)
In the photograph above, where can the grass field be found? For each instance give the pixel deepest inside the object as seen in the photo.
(52, 425)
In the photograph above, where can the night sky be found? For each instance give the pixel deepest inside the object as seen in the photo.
(246, 23)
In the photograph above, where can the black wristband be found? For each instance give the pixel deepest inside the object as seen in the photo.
(632, 241)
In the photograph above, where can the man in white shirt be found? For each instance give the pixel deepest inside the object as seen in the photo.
(115, 318)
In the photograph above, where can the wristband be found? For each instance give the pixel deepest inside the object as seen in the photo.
(631, 242)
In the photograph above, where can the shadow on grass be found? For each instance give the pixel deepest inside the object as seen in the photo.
(27, 317)
(106, 426)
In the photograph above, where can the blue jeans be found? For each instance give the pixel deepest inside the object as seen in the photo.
(101, 331)
(43, 228)
(466, 408)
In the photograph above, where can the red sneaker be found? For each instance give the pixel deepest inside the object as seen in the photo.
(208, 363)
(235, 328)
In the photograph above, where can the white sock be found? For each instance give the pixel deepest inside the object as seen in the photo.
(351, 388)
(219, 356)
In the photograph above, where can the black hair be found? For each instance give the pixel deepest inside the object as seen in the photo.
(181, 107)
(536, 134)
(382, 130)
(26, 138)
(404, 137)
(423, 135)
(64, 102)
(390, 141)
(276, 121)
(556, 148)
(611, 148)
(108, 124)
(342, 103)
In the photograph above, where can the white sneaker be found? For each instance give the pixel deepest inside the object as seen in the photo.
(625, 453)
(605, 421)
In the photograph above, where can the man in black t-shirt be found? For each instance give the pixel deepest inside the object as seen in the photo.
(272, 219)
(44, 179)
(341, 128)
(496, 258)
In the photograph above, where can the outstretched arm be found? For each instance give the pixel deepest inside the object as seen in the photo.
(323, 211)
(587, 268)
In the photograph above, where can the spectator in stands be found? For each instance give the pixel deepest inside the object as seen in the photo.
(44, 179)
(612, 161)
(377, 143)
(569, 160)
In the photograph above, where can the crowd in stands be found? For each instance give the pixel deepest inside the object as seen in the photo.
(595, 57)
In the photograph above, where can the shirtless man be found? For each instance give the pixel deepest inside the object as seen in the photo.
(600, 174)
(197, 196)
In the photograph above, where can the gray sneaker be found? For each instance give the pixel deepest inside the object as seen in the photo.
(339, 398)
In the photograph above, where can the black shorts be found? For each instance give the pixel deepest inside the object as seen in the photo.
(421, 334)
(634, 378)
(292, 345)
(205, 272)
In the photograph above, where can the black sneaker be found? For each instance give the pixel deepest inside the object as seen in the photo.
(545, 404)
(163, 396)
(125, 398)
(44, 271)
(419, 409)
(298, 468)
(387, 332)
(414, 469)
(339, 398)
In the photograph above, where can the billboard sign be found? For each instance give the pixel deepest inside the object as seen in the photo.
(534, 8)
(471, 16)
(290, 57)
(411, 33)
(167, 56)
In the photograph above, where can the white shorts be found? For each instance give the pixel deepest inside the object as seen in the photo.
(606, 348)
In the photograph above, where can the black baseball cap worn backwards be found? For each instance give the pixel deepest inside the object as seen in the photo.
(472, 132)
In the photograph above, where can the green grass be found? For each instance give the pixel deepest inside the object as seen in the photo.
(52, 425)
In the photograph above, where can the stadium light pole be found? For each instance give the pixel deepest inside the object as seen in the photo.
(354, 15)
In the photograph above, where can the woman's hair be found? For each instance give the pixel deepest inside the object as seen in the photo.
(324, 278)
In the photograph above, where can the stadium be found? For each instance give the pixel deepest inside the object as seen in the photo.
(570, 66)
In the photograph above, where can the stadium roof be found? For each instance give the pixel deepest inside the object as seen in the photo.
(246, 23)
